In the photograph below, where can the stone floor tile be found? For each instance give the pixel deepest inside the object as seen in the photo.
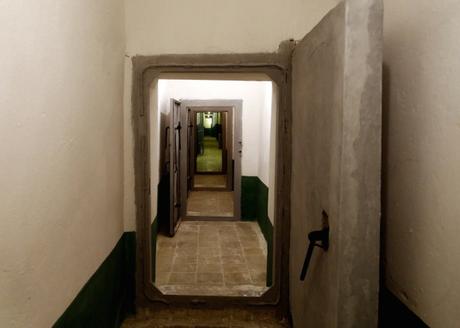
(233, 259)
(182, 266)
(231, 251)
(182, 278)
(209, 251)
(259, 277)
(233, 267)
(162, 277)
(209, 267)
(253, 251)
(210, 278)
(237, 278)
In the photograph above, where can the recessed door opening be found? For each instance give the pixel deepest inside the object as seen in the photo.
(326, 124)
(213, 145)
(210, 160)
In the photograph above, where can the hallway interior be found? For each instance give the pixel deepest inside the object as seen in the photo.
(211, 159)
(212, 258)
(346, 129)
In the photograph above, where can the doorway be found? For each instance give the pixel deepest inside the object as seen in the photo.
(215, 244)
(212, 159)
(328, 143)
(209, 151)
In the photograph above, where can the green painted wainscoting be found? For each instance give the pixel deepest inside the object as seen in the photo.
(154, 234)
(109, 295)
(161, 220)
(254, 207)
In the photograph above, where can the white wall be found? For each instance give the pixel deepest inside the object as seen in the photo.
(267, 145)
(181, 26)
(422, 170)
(207, 26)
(253, 94)
(61, 165)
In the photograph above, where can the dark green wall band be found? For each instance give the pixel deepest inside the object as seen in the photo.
(109, 295)
(249, 198)
(254, 207)
(154, 234)
(161, 220)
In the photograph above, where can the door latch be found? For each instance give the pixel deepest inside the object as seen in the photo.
(319, 238)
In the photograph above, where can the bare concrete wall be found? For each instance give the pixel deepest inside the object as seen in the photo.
(61, 161)
(336, 167)
(422, 171)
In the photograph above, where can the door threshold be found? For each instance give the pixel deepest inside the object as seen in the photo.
(210, 218)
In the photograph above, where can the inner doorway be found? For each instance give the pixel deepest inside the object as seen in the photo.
(209, 150)
(213, 168)
(220, 170)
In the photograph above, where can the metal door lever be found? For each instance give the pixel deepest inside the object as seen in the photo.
(321, 236)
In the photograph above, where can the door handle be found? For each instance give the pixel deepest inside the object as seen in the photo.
(321, 236)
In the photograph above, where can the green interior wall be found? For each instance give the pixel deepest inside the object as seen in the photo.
(161, 219)
(154, 234)
(109, 295)
(162, 214)
(254, 207)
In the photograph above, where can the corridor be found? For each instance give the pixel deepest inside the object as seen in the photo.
(211, 158)
(239, 164)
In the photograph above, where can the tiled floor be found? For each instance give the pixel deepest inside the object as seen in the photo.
(212, 258)
(210, 203)
(210, 181)
(211, 160)
(169, 317)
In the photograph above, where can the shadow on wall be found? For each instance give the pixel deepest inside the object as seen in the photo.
(392, 312)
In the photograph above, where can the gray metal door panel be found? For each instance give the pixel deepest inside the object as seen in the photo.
(336, 126)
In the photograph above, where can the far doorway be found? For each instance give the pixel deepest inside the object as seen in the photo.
(212, 166)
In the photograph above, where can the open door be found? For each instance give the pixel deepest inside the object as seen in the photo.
(335, 182)
(175, 166)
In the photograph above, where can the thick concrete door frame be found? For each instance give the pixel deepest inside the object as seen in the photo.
(146, 71)
(335, 184)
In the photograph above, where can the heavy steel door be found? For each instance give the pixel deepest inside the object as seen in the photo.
(335, 182)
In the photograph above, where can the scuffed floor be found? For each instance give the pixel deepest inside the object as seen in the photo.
(210, 181)
(212, 258)
(205, 318)
(210, 203)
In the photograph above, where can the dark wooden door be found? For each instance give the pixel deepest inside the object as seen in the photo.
(175, 167)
